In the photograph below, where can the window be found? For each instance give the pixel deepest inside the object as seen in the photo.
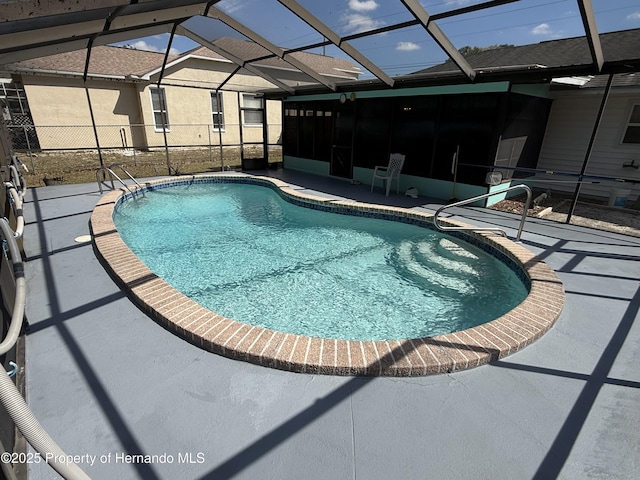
(306, 130)
(14, 110)
(252, 109)
(290, 129)
(632, 130)
(217, 111)
(159, 106)
(15, 100)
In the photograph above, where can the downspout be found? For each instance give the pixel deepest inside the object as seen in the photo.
(163, 102)
(592, 140)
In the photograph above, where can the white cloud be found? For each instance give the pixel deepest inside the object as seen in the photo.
(407, 46)
(143, 45)
(363, 5)
(356, 23)
(634, 16)
(542, 29)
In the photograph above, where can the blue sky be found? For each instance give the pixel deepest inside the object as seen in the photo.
(410, 49)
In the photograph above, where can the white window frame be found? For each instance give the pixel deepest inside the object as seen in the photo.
(219, 112)
(158, 126)
(244, 108)
(634, 105)
(17, 98)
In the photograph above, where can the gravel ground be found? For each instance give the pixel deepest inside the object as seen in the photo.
(587, 214)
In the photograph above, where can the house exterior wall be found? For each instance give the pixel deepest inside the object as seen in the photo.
(571, 121)
(123, 110)
(191, 121)
(60, 111)
(189, 109)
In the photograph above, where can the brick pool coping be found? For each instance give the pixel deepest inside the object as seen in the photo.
(412, 357)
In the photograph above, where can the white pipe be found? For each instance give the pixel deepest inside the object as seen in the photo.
(17, 315)
(37, 436)
(17, 180)
(10, 397)
(17, 208)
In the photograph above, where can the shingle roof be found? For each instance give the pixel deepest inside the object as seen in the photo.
(105, 60)
(247, 50)
(619, 80)
(123, 61)
(616, 46)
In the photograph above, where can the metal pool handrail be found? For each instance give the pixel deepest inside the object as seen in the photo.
(113, 174)
(480, 197)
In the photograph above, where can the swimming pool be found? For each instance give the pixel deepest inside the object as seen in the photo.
(243, 251)
(477, 339)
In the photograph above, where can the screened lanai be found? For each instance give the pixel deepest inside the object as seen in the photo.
(371, 38)
(563, 408)
(389, 48)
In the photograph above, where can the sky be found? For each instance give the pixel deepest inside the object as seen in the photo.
(409, 49)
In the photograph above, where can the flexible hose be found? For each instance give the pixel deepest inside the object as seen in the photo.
(7, 469)
(17, 179)
(10, 397)
(17, 208)
(35, 434)
(17, 315)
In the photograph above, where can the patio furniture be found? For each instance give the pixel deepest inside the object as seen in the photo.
(389, 173)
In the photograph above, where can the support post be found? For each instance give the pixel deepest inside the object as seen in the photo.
(265, 134)
(220, 134)
(86, 89)
(592, 140)
(240, 133)
(163, 102)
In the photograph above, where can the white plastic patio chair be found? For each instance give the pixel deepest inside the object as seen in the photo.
(389, 173)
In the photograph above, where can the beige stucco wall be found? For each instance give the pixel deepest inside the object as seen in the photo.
(189, 109)
(123, 111)
(60, 111)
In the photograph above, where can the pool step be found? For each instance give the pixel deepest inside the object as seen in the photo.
(454, 251)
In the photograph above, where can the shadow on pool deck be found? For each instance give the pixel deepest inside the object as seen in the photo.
(106, 380)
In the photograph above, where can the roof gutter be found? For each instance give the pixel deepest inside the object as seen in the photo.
(65, 74)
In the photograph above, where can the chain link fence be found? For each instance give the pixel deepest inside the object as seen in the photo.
(73, 153)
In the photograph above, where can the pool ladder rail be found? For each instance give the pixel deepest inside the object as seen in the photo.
(500, 231)
(112, 174)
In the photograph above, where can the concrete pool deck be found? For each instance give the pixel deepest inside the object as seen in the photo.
(410, 357)
(135, 401)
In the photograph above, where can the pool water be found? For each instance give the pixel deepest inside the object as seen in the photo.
(244, 252)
